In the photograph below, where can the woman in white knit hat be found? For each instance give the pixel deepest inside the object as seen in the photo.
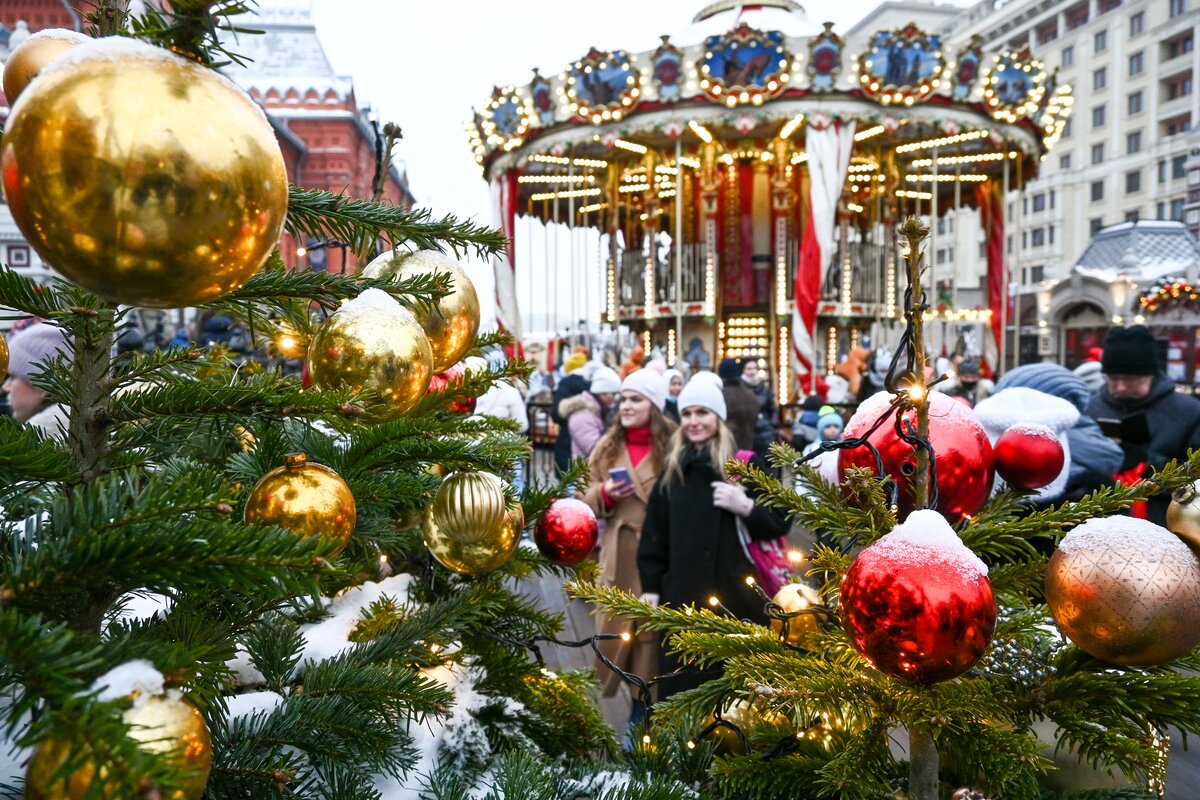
(690, 549)
(624, 466)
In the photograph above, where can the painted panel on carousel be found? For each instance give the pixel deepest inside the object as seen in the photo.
(825, 59)
(967, 69)
(602, 86)
(668, 70)
(505, 119)
(542, 98)
(902, 66)
(744, 66)
(1014, 86)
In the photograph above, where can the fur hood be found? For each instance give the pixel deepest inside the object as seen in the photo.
(584, 401)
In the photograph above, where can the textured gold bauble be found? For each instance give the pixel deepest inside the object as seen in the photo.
(1130, 599)
(166, 724)
(792, 598)
(374, 346)
(746, 716)
(3, 359)
(143, 177)
(309, 499)
(1183, 514)
(469, 505)
(479, 557)
(452, 327)
(32, 56)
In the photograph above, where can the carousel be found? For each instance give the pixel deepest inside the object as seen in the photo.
(746, 188)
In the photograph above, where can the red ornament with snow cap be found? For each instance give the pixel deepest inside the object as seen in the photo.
(917, 603)
(1029, 455)
(567, 533)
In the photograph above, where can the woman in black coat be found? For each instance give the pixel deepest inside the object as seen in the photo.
(690, 550)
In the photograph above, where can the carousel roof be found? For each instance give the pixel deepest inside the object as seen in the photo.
(1145, 251)
(912, 95)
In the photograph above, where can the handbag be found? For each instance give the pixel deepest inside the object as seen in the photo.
(772, 569)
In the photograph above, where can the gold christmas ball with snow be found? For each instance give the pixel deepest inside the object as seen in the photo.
(166, 724)
(33, 55)
(454, 321)
(143, 177)
(308, 499)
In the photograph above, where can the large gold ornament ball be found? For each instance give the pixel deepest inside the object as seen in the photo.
(165, 724)
(373, 345)
(144, 178)
(32, 56)
(484, 555)
(793, 598)
(309, 499)
(469, 506)
(1126, 591)
(453, 324)
(1183, 514)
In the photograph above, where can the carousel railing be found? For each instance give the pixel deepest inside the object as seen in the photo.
(631, 280)
(868, 275)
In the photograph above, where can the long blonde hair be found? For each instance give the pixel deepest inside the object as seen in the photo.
(720, 446)
(608, 448)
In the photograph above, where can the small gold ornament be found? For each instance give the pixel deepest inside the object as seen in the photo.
(117, 174)
(452, 326)
(373, 345)
(469, 505)
(310, 499)
(747, 716)
(165, 724)
(482, 556)
(792, 598)
(246, 439)
(289, 343)
(1183, 515)
(3, 359)
(32, 56)
(1126, 591)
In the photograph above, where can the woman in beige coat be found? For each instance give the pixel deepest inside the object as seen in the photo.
(637, 444)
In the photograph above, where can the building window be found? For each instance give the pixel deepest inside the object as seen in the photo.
(1135, 102)
(1177, 210)
(1131, 216)
(1048, 32)
(982, 250)
(1024, 240)
(1064, 161)
(1179, 87)
(1050, 234)
(1066, 131)
(1133, 142)
(1179, 167)
(1098, 116)
(1097, 191)
(1108, 5)
(1133, 181)
(1039, 202)
(1162, 173)
(1025, 206)
(1178, 8)
(1038, 237)
(1068, 56)
(1098, 153)
(1037, 274)
(1008, 245)
(1180, 45)
(1137, 63)
(1100, 40)
(1099, 78)
(1077, 16)
(1095, 224)
(1137, 23)
(1052, 194)
(1177, 125)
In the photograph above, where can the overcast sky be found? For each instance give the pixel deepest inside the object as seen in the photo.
(424, 64)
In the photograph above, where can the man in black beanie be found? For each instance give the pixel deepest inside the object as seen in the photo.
(741, 404)
(1140, 410)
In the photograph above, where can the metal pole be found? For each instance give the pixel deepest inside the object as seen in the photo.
(571, 240)
(1004, 271)
(678, 249)
(933, 237)
(1016, 351)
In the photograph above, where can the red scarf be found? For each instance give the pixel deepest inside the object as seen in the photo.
(637, 441)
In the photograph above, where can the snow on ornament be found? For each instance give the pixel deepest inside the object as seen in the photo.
(1126, 591)
(963, 454)
(917, 603)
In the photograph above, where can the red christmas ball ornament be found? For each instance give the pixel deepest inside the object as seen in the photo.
(917, 603)
(962, 453)
(1029, 455)
(567, 533)
(447, 382)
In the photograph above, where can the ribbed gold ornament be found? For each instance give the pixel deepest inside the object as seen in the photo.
(32, 56)
(309, 499)
(792, 598)
(469, 505)
(1183, 514)
(452, 326)
(165, 724)
(376, 348)
(482, 556)
(143, 177)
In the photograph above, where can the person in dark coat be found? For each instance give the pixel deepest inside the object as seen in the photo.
(741, 405)
(569, 386)
(690, 549)
(1134, 385)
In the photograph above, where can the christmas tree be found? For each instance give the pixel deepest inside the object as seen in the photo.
(927, 616)
(217, 580)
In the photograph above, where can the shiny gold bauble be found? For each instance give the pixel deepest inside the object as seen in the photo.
(3, 359)
(452, 326)
(482, 556)
(792, 598)
(32, 56)
(373, 345)
(469, 506)
(746, 716)
(1126, 591)
(309, 499)
(246, 439)
(143, 177)
(165, 724)
(1183, 514)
